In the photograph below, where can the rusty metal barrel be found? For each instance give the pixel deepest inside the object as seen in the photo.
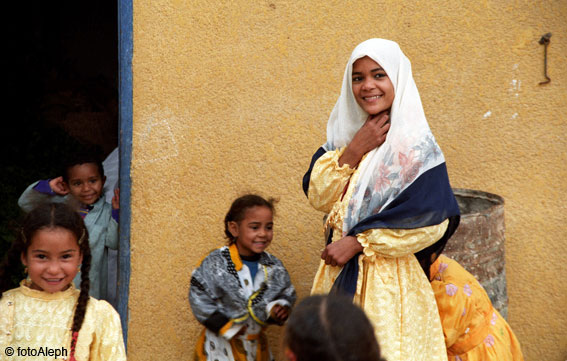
(478, 242)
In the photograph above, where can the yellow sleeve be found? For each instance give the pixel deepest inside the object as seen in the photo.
(328, 180)
(400, 242)
(108, 344)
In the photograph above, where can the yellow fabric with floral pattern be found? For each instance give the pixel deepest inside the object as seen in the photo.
(474, 330)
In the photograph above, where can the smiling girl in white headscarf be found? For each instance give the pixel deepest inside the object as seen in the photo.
(381, 177)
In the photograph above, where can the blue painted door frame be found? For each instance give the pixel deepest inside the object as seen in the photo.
(125, 45)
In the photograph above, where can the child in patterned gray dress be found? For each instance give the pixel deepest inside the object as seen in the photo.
(239, 289)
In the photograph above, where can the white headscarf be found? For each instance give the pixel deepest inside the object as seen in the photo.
(410, 148)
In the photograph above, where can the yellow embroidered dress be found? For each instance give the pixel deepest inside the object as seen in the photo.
(37, 323)
(474, 330)
(391, 286)
(397, 202)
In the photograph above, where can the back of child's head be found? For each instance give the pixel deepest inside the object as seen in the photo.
(84, 155)
(238, 209)
(331, 328)
(51, 216)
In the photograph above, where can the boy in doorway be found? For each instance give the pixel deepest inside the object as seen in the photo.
(81, 184)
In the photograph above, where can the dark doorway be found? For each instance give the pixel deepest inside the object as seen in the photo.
(62, 91)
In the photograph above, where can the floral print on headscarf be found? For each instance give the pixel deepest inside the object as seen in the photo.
(410, 148)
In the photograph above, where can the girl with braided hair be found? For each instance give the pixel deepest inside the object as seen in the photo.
(47, 316)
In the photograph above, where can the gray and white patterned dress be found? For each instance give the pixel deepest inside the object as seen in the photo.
(225, 299)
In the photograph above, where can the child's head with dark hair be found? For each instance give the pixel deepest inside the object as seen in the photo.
(54, 238)
(83, 155)
(249, 224)
(83, 175)
(53, 241)
(330, 328)
(52, 244)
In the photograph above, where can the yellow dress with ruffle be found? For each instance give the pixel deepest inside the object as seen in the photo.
(391, 287)
(35, 322)
(474, 330)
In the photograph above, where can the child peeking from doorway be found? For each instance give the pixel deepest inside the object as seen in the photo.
(80, 184)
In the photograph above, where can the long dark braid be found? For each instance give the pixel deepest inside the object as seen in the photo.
(83, 299)
(49, 216)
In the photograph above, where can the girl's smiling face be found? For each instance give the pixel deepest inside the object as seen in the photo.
(254, 233)
(371, 86)
(52, 259)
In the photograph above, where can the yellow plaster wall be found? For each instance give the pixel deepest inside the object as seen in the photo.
(234, 96)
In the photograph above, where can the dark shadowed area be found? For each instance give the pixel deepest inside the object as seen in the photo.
(62, 93)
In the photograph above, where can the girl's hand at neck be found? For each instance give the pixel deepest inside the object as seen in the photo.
(371, 135)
